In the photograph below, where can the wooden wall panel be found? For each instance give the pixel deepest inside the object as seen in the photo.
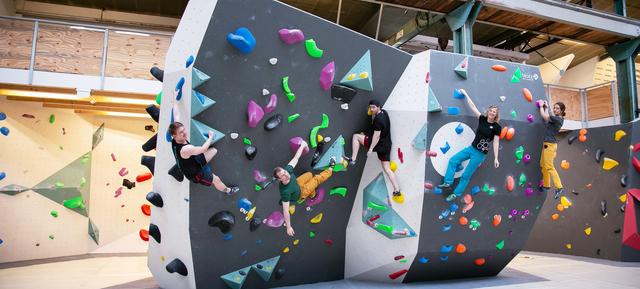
(16, 38)
(570, 98)
(131, 56)
(67, 50)
(600, 102)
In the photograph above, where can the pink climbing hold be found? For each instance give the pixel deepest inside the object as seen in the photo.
(258, 176)
(118, 192)
(123, 172)
(254, 113)
(113, 157)
(467, 207)
(273, 102)
(291, 36)
(326, 75)
(317, 199)
(428, 78)
(275, 220)
(428, 186)
(400, 156)
(295, 142)
(432, 153)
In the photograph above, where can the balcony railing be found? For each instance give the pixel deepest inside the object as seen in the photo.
(587, 107)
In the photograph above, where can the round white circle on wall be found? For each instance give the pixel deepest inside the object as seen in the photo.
(457, 142)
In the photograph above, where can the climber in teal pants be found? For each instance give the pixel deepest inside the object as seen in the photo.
(488, 130)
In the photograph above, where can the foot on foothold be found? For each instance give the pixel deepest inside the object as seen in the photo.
(559, 192)
(398, 197)
(232, 190)
(444, 185)
(352, 162)
(332, 162)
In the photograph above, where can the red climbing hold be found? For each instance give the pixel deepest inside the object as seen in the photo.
(636, 164)
(144, 234)
(510, 183)
(510, 133)
(144, 177)
(329, 242)
(398, 257)
(496, 220)
(394, 276)
(400, 156)
(479, 261)
(431, 153)
(461, 248)
(146, 209)
(463, 221)
(636, 147)
(499, 67)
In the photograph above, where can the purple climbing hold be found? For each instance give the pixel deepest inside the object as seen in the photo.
(275, 220)
(539, 103)
(459, 128)
(258, 176)
(4, 130)
(528, 191)
(254, 113)
(527, 158)
(453, 110)
(291, 36)
(317, 199)
(445, 148)
(530, 118)
(326, 75)
(242, 39)
(273, 102)
(295, 142)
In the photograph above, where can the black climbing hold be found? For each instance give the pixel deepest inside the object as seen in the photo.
(176, 173)
(153, 111)
(176, 266)
(242, 273)
(250, 151)
(266, 183)
(149, 162)
(224, 220)
(280, 273)
(623, 181)
(622, 208)
(129, 184)
(342, 93)
(154, 232)
(157, 73)
(316, 155)
(155, 199)
(259, 266)
(149, 128)
(598, 252)
(617, 231)
(572, 138)
(150, 144)
(599, 154)
(273, 122)
(574, 192)
(603, 208)
(254, 224)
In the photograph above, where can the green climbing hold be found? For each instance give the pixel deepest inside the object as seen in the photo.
(285, 84)
(258, 188)
(403, 261)
(514, 114)
(293, 117)
(500, 245)
(52, 237)
(474, 224)
(159, 97)
(338, 191)
(522, 180)
(85, 158)
(83, 182)
(52, 118)
(491, 191)
(312, 48)
(485, 188)
(290, 96)
(519, 154)
(313, 137)
(517, 75)
(59, 185)
(385, 228)
(373, 206)
(312, 234)
(54, 214)
(246, 141)
(74, 203)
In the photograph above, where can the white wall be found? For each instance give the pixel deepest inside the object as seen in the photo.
(581, 75)
(551, 71)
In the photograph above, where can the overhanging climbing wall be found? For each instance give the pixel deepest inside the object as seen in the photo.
(590, 218)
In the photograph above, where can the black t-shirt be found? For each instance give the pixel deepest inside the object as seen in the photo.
(190, 167)
(485, 133)
(552, 128)
(382, 123)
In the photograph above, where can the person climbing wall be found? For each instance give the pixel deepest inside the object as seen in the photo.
(552, 124)
(488, 130)
(294, 189)
(192, 160)
(379, 141)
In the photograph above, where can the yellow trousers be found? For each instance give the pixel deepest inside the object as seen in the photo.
(546, 163)
(309, 183)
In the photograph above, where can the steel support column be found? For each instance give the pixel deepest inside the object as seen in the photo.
(461, 22)
(624, 55)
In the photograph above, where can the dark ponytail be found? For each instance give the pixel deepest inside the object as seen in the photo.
(562, 108)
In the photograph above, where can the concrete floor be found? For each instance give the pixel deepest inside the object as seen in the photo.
(527, 270)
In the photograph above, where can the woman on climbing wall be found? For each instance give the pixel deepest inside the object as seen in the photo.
(552, 124)
(488, 130)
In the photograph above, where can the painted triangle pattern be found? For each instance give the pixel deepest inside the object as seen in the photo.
(360, 75)
(420, 140)
(378, 213)
(264, 269)
(335, 150)
(235, 279)
(463, 67)
(200, 133)
(199, 103)
(433, 105)
(198, 77)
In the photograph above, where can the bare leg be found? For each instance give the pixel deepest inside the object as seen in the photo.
(220, 186)
(356, 141)
(391, 175)
(210, 153)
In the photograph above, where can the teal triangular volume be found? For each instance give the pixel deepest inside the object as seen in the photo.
(266, 267)
(94, 233)
(200, 131)
(378, 213)
(354, 78)
(463, 67)
(335, 150)
(198, 77)
(13, 189)
(235, 279)
(199, 102)
(433, 105)
(420, 141)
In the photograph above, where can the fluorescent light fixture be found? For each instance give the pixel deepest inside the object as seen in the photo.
(132, 33)
(113, 113)
(86, 28)
(39, 94)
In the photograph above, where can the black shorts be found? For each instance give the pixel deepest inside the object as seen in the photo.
(205, 176)
(383, 156)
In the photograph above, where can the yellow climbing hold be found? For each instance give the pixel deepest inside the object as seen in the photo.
(316, 219)
(609, 164)
(319, 138)
(623, 198)
(369, 111)
(351, 76)
(568, 246)
(250, 214)
(619, 135)
(364, 74)
(296, 242)
(398, 199)
(565, 202)
(393, 166)
(285, 250)
(292, 209)
(162, 258)
(587, 231)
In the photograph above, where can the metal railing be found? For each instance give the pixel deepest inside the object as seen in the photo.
(571, 95)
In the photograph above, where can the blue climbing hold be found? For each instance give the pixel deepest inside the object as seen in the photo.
(3, 116)
(446, 228)
(453, 208)
(258, 242)
(179, 96)
(444, 214)
(423, 260)
(453, 110)
(459, 128)
(4, 130)
(227, 237)
(444, 258)
(475, 190)
(244, 204)
(243, 253)
(190, 61)
(2, 175)
(457, 94)
(180, 84)
(242, 39)
(445, 148)
(437, 191)
(446, 249)
(168, 136)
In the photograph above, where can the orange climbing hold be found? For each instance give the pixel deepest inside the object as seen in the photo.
(560, 207)
(499, 67)
(461, 248)
(503, 133)
(555, 216)
(583, 131)
(146, 209)
(479, 261)
(527, 94)
(496, 220)
(510, 183)
(144, 235)
(143, 177)
(565, 165)
(511, 132)
(463, 221)
(582, 138)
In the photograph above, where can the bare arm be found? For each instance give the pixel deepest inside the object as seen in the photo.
(544, 111)
(496, 149)
(176, 112)
(374, 140)
(294, 161)
(470, 103)
(191, 150)
(287, 218)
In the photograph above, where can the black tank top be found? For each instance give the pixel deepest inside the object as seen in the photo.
(190, 167)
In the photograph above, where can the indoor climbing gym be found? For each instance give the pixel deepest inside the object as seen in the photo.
(319, 144)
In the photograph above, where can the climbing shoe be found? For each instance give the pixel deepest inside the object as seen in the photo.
(398, 197)
(559, 192)
(444, 185)
(232, 190)
(332, 162)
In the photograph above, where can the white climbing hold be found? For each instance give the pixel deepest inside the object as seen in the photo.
(234, 135)
(344, 106)
(503, 98)
(273, 61)
(327, 139)
(265, 92)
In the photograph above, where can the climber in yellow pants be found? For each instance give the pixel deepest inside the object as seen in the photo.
(309, 183)
(553, 123)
